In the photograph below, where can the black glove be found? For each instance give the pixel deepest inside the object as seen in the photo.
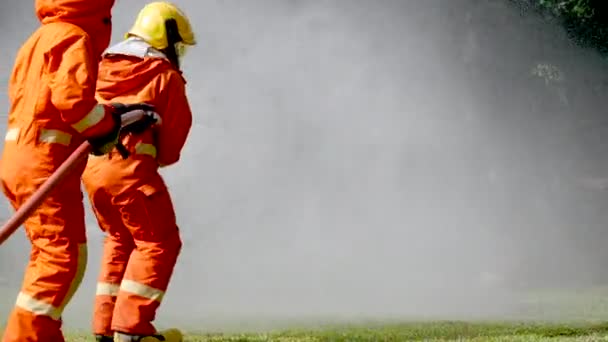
(105, 144)
(150, 117)
(122, 108)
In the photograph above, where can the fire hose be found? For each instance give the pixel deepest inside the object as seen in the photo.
(80, 154)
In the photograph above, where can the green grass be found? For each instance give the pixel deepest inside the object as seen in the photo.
(423, 331)
(547, 316)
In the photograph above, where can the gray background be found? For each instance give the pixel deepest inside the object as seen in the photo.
(380, 158)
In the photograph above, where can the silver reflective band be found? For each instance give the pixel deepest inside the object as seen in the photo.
(140, 148)
(107, 289)
(81, 266)
(147, 149)
(142, 290)
(93, 118)
(134, 46)
(37, 307)
(53, 136)
(12, 134)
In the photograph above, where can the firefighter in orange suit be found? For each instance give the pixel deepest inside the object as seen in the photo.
(128, 196)
(53, 110)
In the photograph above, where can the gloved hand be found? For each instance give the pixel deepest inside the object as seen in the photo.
(105, 144)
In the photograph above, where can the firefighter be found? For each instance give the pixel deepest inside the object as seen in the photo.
(53, 110)
(128, 196)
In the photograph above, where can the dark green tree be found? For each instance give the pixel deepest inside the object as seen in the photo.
(586, 21)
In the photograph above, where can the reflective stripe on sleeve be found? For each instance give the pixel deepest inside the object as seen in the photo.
(148, 149)
(12, 134)
(50, 136)
(53, 136)
(91, 119)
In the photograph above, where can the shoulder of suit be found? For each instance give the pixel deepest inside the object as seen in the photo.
(61, 31)
(134, 47)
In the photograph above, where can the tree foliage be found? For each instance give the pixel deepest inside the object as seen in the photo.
(586, 21)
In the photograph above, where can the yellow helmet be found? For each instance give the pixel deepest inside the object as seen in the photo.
(156, 19)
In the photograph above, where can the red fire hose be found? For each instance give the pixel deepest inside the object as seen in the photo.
(34, 201)
(55, 179)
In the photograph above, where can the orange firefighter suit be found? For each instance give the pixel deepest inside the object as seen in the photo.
(129, 197)
(53, 110)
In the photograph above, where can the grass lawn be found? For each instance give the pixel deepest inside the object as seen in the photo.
(424, 331)
(549, 316)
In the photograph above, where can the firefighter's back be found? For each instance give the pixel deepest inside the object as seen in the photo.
(131, 72)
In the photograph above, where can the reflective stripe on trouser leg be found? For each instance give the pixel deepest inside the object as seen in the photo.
(152, 224)
(23, 325)
(107, 289)
(57, 263)
(42, 307)
(117, 251)
(105, 299)
(37, 319)
(142, 290)
(137, 302)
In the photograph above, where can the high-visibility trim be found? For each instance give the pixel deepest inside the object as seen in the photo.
(140, 148)
(50, 136)
(91, 119)
(135, 46)
(148, 149)
(107, 289)
(81, 266)
(53, 136)
(142, 290)
(12, 134)
(37, 307)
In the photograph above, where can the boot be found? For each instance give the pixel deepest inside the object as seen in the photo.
(169, 335)
(102, 338)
